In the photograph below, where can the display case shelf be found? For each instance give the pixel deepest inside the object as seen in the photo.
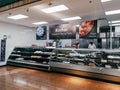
(31, 63)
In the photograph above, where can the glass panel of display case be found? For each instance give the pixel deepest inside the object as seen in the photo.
(94, 58)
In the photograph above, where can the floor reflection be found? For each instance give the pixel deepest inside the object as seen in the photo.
(26, 79)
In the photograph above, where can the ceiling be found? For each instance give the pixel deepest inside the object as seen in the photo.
(86, 9)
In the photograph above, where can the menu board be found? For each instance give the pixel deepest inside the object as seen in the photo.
(88, 29)
(41, 33)
(62, 31)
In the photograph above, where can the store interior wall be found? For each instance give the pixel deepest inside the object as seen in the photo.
(25, 36)
(21, 36)
(16, 36)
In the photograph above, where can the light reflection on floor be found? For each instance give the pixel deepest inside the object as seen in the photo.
(29, 79)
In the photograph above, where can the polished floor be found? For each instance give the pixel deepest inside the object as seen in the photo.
(16, 78)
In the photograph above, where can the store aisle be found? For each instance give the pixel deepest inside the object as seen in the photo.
(16, 78)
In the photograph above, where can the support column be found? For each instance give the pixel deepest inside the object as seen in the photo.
(111, 36)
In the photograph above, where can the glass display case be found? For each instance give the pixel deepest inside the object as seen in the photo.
(31, 57)
(104, 62)
(97, 63)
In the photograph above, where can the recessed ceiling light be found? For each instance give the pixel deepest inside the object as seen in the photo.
(112, 12)
(71, 18)
(77, 25)
(117, 21)
(105, 0)
(17, 17)
(55, 9)
(115, 24)
(39, 23)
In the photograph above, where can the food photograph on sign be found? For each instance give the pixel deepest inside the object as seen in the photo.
(88, 29)
(62, 31)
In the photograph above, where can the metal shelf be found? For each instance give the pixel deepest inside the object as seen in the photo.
(27, 62)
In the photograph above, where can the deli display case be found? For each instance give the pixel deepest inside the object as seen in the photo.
(97, 63)
(100, 64)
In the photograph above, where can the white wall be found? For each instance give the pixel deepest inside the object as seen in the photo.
(18, 36)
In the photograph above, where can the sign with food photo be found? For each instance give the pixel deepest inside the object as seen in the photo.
(88, 29)
(62, 31)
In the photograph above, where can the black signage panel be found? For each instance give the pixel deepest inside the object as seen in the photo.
(62, 31)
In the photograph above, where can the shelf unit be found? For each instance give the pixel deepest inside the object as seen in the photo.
(31, 57)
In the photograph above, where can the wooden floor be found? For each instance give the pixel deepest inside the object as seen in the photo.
(15, 78)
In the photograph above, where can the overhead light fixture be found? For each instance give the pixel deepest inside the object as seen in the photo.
(115, 24)
(105, 0)
(117, 21)
(71, 18)
(17, 17)
(112, 12)
(40, 23)
(77, 25)
(55, 9)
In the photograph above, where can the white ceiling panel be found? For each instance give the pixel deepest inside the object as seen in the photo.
(86, 9)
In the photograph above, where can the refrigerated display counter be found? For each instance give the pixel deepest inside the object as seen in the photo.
(98, 63)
